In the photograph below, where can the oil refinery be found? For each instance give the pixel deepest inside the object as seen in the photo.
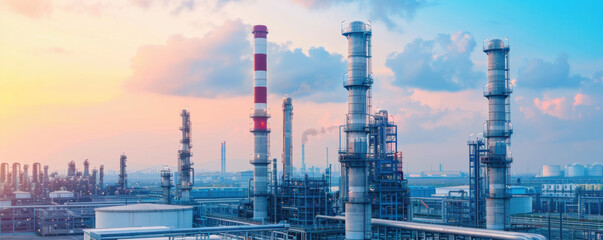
(367, 194)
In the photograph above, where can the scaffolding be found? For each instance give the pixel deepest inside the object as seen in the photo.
(302, 199)
(388, 189)
(477, 182)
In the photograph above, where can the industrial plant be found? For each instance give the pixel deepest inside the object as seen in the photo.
(367, 194)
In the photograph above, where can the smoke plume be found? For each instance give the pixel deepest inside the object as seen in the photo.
(315, 132)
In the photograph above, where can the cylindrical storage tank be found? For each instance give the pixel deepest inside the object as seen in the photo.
(595, 170)
(521, 204)
(61, 194)
(551, 171)
(22, 195)
(576, 170)
(144, 215)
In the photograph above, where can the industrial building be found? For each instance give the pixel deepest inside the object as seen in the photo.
(372, 199)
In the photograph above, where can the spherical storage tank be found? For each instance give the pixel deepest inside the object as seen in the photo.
(144, 215)
(575, 170)
(551, 171)
(595, 170)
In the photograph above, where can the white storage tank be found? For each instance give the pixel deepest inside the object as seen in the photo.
(22, 195)
(144, 215)
(595, 170)
(576, 170)
(521, 204)
(61, 194)
(551, 171)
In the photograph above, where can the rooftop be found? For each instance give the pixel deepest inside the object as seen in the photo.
(144, 207)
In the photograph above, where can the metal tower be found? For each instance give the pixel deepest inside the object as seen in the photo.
(101, 176)
(497, 131)
(477, 183)
(86, 168)
(287, 140)
(260, 127)
(354, 158)
(122, 184)
(223, 158)
(185, 169)
(166, 185)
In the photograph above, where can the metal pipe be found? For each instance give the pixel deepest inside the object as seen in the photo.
(287, 138)
(357, 205)
(260, 128)
(445, 229)
(498, 131)
(157, 232)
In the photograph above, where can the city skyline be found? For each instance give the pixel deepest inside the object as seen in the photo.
(92, 80)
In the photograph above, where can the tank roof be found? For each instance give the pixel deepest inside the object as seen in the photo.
(143, 207)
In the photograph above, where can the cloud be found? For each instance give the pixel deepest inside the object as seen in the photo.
(30, 8)
(556, 107)
(217, 64)
(540, 74)
(384, 10)
(442, 64)
(220, 64)
(179, 6)
(294, 73)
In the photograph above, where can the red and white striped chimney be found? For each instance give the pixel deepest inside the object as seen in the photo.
(260, 128)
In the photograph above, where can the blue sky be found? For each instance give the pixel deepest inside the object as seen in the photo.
(113, 77)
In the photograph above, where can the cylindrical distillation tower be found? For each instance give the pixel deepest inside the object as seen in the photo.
(358, 83)
(287, 140)
(260, 128)
(497, 131)
(185, 169)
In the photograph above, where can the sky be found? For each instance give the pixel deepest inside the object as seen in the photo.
(95, 79)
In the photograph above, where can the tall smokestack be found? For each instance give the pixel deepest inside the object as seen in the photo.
(184, 158)
(101, 176)
(25, 179)
(287, 139)
(498, 131)
(123, 175)
(359, 81)
(36, 172)
(223, 159)
(260, 128)
(93, 181)
(303, 167)
(4, 173)
(16, 173)
(46, 177)
(86, 168)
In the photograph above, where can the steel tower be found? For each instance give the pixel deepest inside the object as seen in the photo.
(354, 158)
(123, 175)
(497, 131)
(287, 140)
(260, 127)
(185, 169)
